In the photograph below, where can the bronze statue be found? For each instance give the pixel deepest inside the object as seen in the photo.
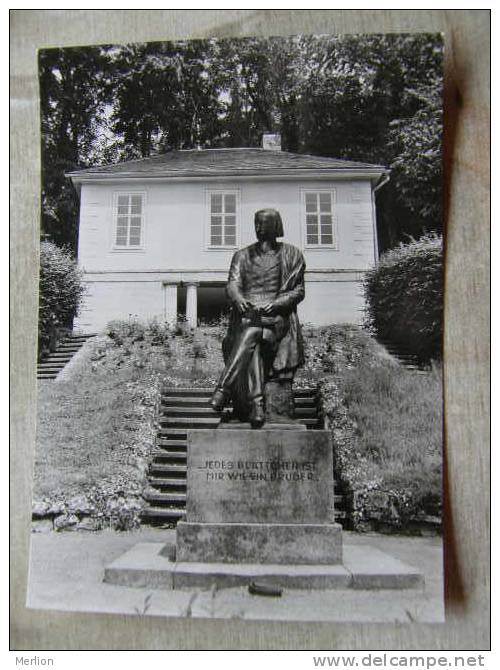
(263, 341)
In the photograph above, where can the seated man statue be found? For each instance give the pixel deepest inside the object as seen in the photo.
(264, 341)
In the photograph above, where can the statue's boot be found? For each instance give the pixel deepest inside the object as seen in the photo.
(218, 400)
(257, 414)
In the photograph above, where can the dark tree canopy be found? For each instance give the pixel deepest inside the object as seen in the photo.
(374, 98)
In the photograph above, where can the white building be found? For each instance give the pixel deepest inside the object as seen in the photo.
(157, 235)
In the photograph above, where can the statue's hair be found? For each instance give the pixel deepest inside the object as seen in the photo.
(276, 217)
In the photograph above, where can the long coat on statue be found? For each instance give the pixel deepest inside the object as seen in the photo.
(290, 350)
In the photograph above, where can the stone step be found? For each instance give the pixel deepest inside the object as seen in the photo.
(50, 366)
(195, 422)
(174, 411)
(184, 401)
(202, 401)
(212, 422)
(305, 393)
(306, 401)
(207, 392)
(313, 422)
(188, 392)
(56, 359)
(169, 454)
(169, 434)
(163, 497)
(168, 482)
(151, 511)
(53, 376)
(177, 468)
(182, 444)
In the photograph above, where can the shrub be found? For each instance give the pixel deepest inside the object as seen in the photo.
(404, 295)
(61, 292)
(126, 332)
(135, 334)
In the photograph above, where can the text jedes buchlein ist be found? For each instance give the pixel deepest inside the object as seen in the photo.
(271, 470)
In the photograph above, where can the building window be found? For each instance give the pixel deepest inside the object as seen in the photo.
(129, 221)
(223, 218)
(319, 218)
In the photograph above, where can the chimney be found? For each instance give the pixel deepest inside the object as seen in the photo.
(271, 141)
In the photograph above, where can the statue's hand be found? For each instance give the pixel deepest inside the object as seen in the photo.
(243, 305)
(268, 308)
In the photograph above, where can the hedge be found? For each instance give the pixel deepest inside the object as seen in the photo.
(60, 294)
(404, 296)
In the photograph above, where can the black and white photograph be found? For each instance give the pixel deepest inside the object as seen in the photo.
(239, 376)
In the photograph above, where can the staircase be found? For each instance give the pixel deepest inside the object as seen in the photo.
(51, 365)
(184, 409)
(404, 356)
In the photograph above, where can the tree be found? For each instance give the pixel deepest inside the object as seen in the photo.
(74, 90)
(371, 98)
(377, 98)
(164, 98)
(416, 144)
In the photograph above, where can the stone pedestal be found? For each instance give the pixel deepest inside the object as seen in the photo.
(259, 508)
(259, 496)
(279, 401)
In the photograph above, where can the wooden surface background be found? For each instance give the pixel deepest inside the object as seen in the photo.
(467, 105)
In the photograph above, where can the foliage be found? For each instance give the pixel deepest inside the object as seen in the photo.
(218, 325)
(127, 333)
(386, 424)
(164, 97)
(60, 293)
(404, 295)
(74, 93)
(416, 144)
(374, 98)
(97, 426)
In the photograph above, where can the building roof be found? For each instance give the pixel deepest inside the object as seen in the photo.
(226, 162)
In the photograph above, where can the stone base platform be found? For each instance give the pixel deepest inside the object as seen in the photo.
(152, 565)
(274, 543)
(237, 425)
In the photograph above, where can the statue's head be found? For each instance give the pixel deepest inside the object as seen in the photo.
(268, 224)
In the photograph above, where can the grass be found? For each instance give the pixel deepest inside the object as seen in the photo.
(386, 423)
(97, 427)
(95, 430)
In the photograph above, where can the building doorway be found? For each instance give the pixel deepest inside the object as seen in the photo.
(212, 302)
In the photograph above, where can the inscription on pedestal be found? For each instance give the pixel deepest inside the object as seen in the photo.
(259, 477)
(263, 471)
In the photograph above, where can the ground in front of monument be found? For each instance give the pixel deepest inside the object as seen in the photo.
(67, 573)
(259, 516)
